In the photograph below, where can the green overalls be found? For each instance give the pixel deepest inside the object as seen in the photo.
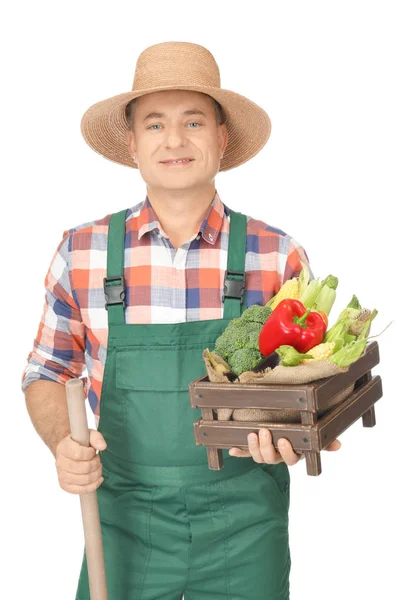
(170, 525)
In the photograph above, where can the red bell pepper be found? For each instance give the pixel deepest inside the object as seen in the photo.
(291, 324)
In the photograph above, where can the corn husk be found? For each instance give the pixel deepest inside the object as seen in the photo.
(217, 367)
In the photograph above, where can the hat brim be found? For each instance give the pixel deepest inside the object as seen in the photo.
(104, 126)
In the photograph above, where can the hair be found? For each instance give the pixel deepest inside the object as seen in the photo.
(220, 115)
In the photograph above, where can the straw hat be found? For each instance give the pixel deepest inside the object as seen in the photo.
(177, 66)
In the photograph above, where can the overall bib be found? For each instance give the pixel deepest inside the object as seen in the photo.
(170, 525)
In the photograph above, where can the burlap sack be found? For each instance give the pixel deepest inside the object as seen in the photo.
(304, 373)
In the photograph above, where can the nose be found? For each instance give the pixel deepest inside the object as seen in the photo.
(174, 137)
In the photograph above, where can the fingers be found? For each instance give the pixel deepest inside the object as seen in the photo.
(79, 467)
(262, 449)
(97, 440)
(334, 445)
(239, 452)
(288, 454)
(267, 448)
(73, 450)
(254, 448)
(82, 489)
(82, 479)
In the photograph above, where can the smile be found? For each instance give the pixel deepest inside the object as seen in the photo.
(182, 161)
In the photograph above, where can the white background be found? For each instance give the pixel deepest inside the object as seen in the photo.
(327, 74)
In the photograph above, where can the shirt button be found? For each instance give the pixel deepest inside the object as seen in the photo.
(197, 237)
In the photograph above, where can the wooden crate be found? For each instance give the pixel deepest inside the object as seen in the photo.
(312, 434)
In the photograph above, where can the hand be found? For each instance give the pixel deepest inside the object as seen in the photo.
(263, 450)
(79, 467)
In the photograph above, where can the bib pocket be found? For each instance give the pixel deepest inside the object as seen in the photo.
(159, 368)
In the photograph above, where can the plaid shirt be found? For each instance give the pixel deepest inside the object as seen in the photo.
(163, 285)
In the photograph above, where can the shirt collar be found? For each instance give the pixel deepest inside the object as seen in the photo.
(209, 228)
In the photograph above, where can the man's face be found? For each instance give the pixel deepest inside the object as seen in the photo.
(184, 126)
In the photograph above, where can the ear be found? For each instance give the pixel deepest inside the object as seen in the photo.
(223, 137)
(131, 143)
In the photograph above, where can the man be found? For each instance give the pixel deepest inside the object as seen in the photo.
(170, 525)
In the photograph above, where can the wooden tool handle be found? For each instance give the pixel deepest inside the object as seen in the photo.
(89, 503)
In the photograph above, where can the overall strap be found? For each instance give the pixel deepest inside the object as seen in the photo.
(114, 286)
(234, 285)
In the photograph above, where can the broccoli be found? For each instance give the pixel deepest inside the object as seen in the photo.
(243, 333)
(235, 337)
(232, 339)
(253, 339)
(244, 359)
(256, 313)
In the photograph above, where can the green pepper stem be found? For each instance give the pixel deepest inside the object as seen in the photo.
(302, 320)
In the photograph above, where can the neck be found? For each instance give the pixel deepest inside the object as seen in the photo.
(181, 212)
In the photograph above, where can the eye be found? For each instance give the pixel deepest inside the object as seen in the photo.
(191, 123)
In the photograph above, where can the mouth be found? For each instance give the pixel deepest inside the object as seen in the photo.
(177, 162)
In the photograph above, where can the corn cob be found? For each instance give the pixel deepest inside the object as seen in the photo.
(356, 325)
(364, 314)
(290, 289)
(320, 352)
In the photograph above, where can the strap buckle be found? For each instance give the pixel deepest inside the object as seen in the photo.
(114, 291)
(234, 288)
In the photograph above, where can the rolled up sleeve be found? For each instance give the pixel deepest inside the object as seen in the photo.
(58, 352)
